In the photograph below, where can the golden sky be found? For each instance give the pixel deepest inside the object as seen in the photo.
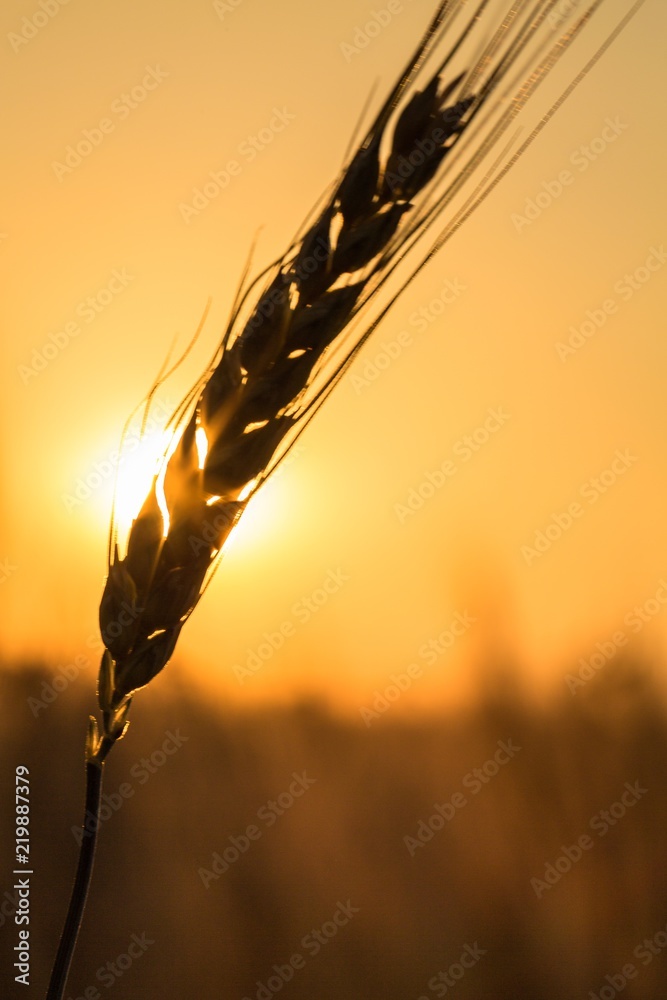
(478, 415)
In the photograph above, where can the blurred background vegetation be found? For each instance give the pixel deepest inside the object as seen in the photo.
(343, 841)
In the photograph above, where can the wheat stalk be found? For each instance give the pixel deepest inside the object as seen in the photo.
(298, 325)
(281, 357)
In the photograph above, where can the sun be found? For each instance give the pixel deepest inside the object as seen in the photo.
(143, 447)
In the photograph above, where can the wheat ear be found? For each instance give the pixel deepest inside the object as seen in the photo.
(285, 349)
(280, 357)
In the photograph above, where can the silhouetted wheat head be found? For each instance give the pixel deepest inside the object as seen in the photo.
(295, 328)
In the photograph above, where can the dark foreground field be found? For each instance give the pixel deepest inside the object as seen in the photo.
(512, 854)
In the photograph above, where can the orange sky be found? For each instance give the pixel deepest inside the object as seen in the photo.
(106, 260)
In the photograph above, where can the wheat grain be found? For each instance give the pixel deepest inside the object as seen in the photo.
(282, 355)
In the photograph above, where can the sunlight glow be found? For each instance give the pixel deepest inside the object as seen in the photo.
(162, 500)
(137, 465)
(247, 490)
(202, 445)
(144, 453)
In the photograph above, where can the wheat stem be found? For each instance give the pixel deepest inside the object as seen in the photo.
(84, 871)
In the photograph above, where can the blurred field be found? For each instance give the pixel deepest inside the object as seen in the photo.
(406, 914)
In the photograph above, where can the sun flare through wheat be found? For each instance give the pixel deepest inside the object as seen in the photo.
(437, 146)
